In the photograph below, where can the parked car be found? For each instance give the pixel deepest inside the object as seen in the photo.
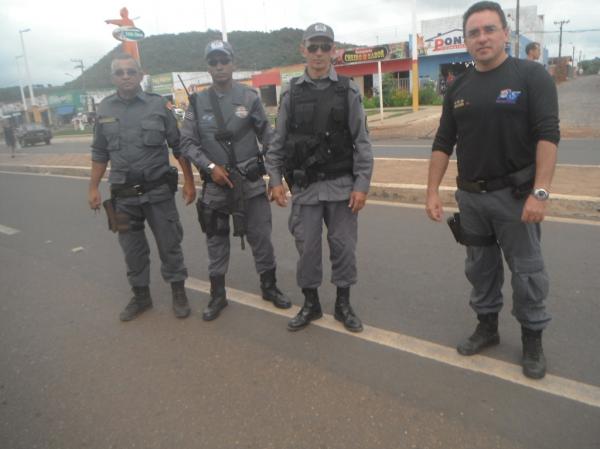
(33, 133)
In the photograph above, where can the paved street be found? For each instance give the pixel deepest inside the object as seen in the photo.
(572, 151)
(72, 375)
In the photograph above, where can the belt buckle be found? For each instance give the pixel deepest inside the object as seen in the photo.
(482, 184)
(139, 189)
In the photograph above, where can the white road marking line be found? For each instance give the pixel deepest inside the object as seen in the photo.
(404, 145)
(551, 384)
(8, 231)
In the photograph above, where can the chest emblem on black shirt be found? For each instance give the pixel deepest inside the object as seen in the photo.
(460, 103)
(207, 117)
(508, 96)
(241, 111)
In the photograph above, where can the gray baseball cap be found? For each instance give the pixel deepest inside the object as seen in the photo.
(318, 30)
(218, 46)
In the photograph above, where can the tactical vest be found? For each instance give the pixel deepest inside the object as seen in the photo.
(318, 143)
(240, 125)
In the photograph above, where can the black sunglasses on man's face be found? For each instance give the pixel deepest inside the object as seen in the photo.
(223, 61)
(312, 48)
(121, 72)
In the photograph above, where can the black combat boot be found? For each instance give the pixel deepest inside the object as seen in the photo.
(344, 312)
(486, 334)
(181, 307)
(270, 292)
(218, 300)
(140, 302)
(534, 361)
(311, 310)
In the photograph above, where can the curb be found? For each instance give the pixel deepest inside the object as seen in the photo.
(569, 206)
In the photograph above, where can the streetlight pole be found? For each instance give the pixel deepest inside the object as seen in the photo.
(21, 87)
(27, 72)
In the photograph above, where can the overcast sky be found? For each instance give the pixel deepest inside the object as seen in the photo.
(66, 29)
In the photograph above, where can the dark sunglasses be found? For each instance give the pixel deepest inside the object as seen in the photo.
(312, 48)
(121, 72)
(222, 61)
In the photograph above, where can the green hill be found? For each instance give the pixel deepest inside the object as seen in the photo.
(184, 52)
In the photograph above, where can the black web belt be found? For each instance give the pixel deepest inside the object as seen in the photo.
(512, 180)
(131, 190)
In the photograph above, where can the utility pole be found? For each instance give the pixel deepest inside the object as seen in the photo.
(80, 66)
(21, 88)
(516, 55)
(561, 23)
(223, 25)
(27, 72)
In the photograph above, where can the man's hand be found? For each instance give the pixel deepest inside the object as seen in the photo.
(433, 206)
(188, 192)
(357, 201)
(220, 176)
(534, 210)
(94, 198)
(278, 195)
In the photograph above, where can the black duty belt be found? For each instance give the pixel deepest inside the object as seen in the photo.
(131, 190)
(320, 176)
(482, 186)
(522, 177)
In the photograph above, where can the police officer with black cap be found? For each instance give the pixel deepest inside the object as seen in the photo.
(321, 147)
(502, 114)
(219, 136)
(132, 131)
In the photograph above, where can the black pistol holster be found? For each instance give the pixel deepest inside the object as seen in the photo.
(465, 238)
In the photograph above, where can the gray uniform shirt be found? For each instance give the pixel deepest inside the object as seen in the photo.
(240, 107)
(338, 189)
(133, 136)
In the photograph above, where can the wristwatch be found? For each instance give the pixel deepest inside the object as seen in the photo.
(211, 167)
(541, 194)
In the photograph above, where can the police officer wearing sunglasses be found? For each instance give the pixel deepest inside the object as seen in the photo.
(132, 131)
(321, 147)
(220, 163)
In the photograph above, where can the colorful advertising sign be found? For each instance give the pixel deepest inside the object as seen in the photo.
(444, 43)
(372, 54)
(128, 34)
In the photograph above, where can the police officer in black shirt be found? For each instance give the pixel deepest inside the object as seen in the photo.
(502, 114)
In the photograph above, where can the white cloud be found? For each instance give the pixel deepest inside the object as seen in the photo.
(66, 29)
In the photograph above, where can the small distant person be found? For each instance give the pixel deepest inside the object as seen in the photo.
(533, 51)
(10, 139)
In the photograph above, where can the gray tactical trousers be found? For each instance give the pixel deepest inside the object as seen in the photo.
(499, 213)
(306, 225)
(163, 219)
(258, 228)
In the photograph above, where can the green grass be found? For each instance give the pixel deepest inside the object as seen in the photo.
(72, 132)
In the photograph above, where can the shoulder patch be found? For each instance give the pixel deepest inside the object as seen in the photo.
(102, 120)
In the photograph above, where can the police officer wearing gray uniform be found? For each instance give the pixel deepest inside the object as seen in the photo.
(502, 114)
(321, 146)
(130, 132)
(210, 149)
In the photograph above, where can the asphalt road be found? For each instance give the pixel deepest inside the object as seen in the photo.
(572, 151)
(72, 375)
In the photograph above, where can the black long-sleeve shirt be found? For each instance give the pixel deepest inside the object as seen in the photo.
(496, 118)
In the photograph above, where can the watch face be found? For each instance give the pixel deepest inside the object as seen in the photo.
(541, 194)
